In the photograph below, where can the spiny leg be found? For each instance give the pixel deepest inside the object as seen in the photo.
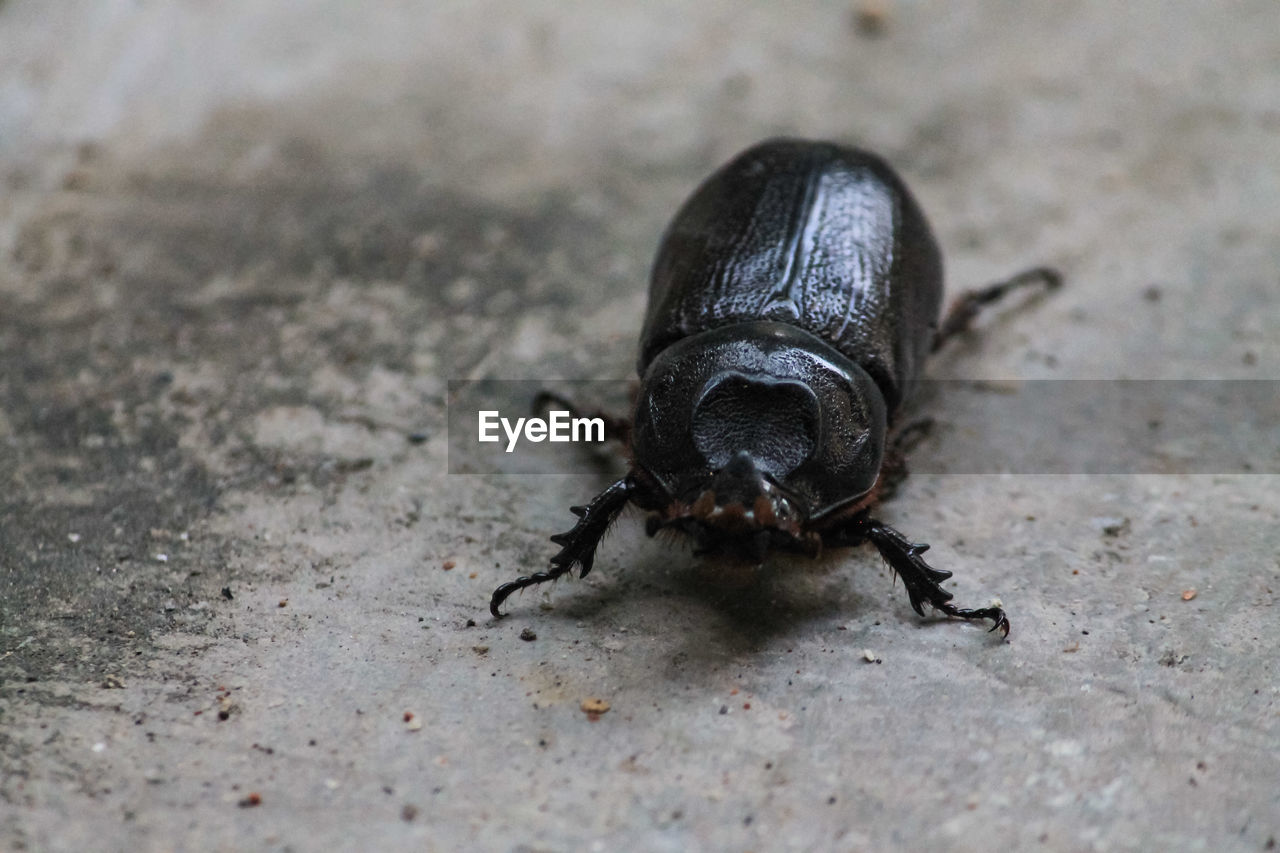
(969, 304)
(921, 580)
(615, 429)
(577, 546)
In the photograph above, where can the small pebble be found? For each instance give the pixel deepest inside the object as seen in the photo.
(870, 18)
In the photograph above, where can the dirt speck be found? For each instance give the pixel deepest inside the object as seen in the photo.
(871, 18)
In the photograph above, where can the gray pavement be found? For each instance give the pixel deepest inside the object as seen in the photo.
(245, 245)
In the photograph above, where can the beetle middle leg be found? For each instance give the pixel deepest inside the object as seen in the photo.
(615, 429)
(969, 304)
(577, 546)
(893, 470)
(923, 582)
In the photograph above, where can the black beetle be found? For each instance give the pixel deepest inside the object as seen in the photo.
(792, 304)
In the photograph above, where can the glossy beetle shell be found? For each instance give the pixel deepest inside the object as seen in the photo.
(812, 422)
(794, 299)
(819, 236)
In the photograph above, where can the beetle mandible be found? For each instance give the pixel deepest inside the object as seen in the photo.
(793, 301)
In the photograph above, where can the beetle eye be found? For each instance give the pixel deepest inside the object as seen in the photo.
(776, 422)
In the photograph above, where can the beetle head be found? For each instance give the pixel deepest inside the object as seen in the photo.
(755, 430)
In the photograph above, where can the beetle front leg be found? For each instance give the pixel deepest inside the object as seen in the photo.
(923, 582)
(577, 546)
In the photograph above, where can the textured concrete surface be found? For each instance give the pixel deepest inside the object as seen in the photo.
(243, 248)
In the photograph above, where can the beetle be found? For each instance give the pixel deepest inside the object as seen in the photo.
(793, 301)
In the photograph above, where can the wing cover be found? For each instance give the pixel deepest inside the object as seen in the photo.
(823, 237)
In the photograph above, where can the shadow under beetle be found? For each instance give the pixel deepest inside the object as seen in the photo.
(793, 301)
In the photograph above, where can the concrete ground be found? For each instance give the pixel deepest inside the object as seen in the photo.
(245, 245)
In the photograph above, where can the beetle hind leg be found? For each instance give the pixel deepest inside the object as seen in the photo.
(577, 546)
(968, 305)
